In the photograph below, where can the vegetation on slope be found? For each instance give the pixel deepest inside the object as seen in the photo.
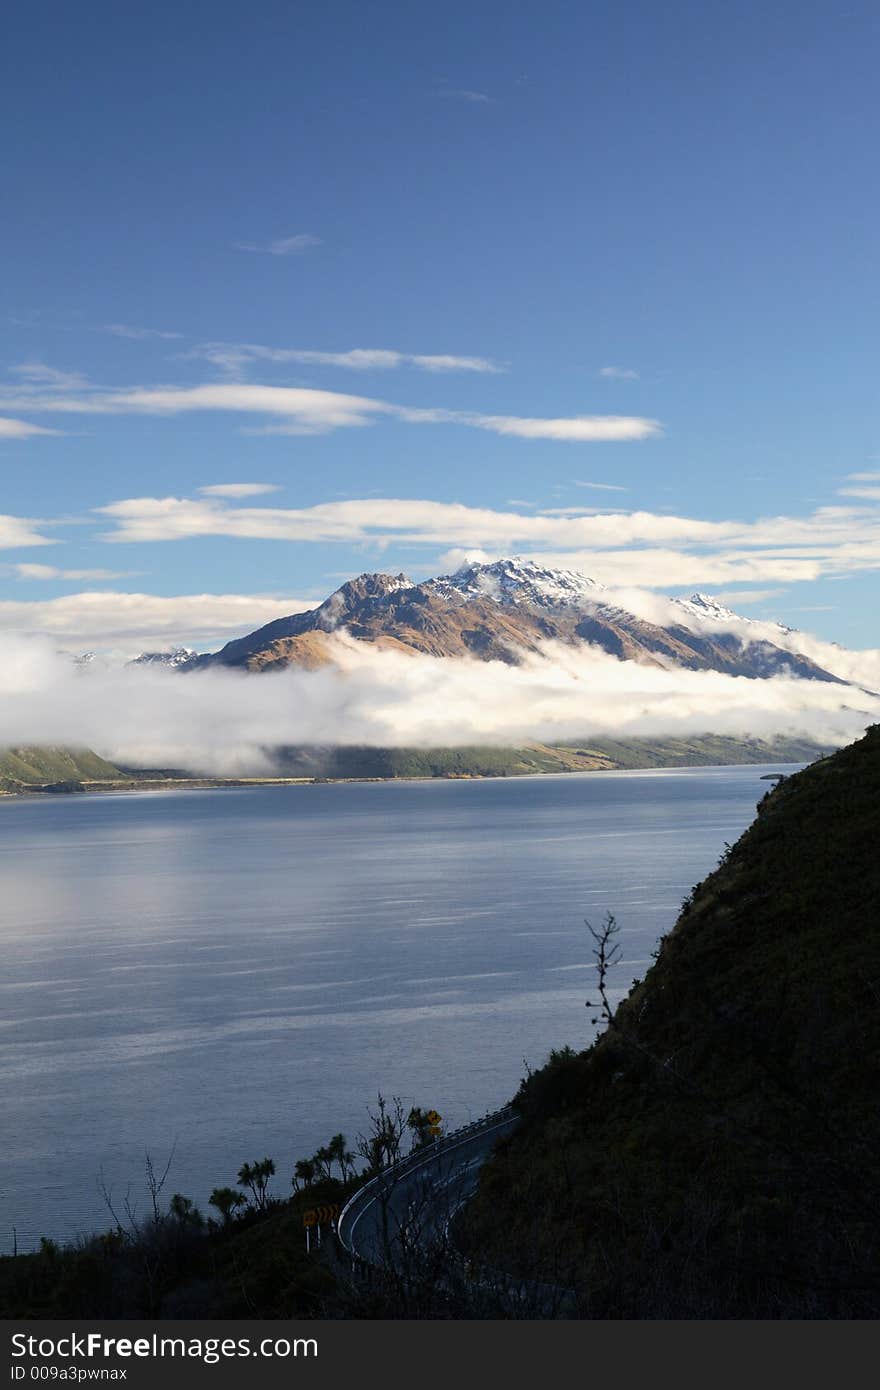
(588, 755)
(66, 769)
(717, 1151)
(21, 768)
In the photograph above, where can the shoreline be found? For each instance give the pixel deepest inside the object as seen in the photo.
(173, 784)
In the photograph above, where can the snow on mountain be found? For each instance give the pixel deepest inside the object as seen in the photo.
(520, 582)
(711, 610)
(705, 606)
(177, 658)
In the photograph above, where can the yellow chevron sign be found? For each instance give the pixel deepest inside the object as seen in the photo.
(319, 1216)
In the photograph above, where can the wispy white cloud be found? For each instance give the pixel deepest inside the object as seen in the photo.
(600, 487)
(868, 494)
(410, 521)
(40, 375)
(234, 357)
(650, 549)
(448, 362)
(578, 511)
(21, 429)
(282, 246)
(867, 486)
(466, 94)
(619, 373)
(299, 410)
(131, 622)
(580, 428)
(747, 598)
(31, 571)
(239, 489)
(457, 558)
(127, 330)
(18, 532)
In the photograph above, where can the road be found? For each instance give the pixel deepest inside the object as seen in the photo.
(412, 1203)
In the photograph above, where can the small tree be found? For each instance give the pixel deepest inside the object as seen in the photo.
(304, 1173)
(382, 1145)
(606, 954)
(184, 1212)
(323, 1161)
(338, 1150)
(227, 1201)
(255, 1176)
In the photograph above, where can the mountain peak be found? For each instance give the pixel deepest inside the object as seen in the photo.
(175, 659)
(521, 582)
(707, 606)
(366, 588)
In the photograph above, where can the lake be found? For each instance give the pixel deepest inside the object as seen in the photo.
(239, 971)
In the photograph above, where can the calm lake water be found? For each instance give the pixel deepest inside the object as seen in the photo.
(241, 970)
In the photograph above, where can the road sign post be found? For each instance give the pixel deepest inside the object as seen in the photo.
(315, 1218)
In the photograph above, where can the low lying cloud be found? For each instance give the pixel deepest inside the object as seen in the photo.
(227, 721)
(862, 667)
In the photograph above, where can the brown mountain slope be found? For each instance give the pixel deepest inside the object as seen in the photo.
(437, 619)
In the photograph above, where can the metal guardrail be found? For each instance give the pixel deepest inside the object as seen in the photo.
(419, 1158)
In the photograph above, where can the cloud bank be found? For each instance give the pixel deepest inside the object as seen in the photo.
(226, 721)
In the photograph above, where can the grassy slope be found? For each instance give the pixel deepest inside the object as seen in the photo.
(40, 766)
(64, 768)
(717, 1152)
(586, 756)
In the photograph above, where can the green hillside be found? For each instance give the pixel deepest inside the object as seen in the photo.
(717, 1152)
(588, 755)
(21, 768)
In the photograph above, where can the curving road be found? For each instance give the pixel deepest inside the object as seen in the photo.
(411, 1204)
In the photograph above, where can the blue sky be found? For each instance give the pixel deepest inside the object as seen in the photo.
(616, 244)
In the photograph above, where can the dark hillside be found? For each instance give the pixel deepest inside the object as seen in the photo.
(717, 1152)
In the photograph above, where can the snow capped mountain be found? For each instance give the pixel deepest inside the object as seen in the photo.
(705, 606)
(520, 582)
(176, 659)
(504, 611)
(710, 609)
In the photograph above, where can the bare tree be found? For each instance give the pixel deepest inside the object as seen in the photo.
(382, 1144)
(606, 954)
